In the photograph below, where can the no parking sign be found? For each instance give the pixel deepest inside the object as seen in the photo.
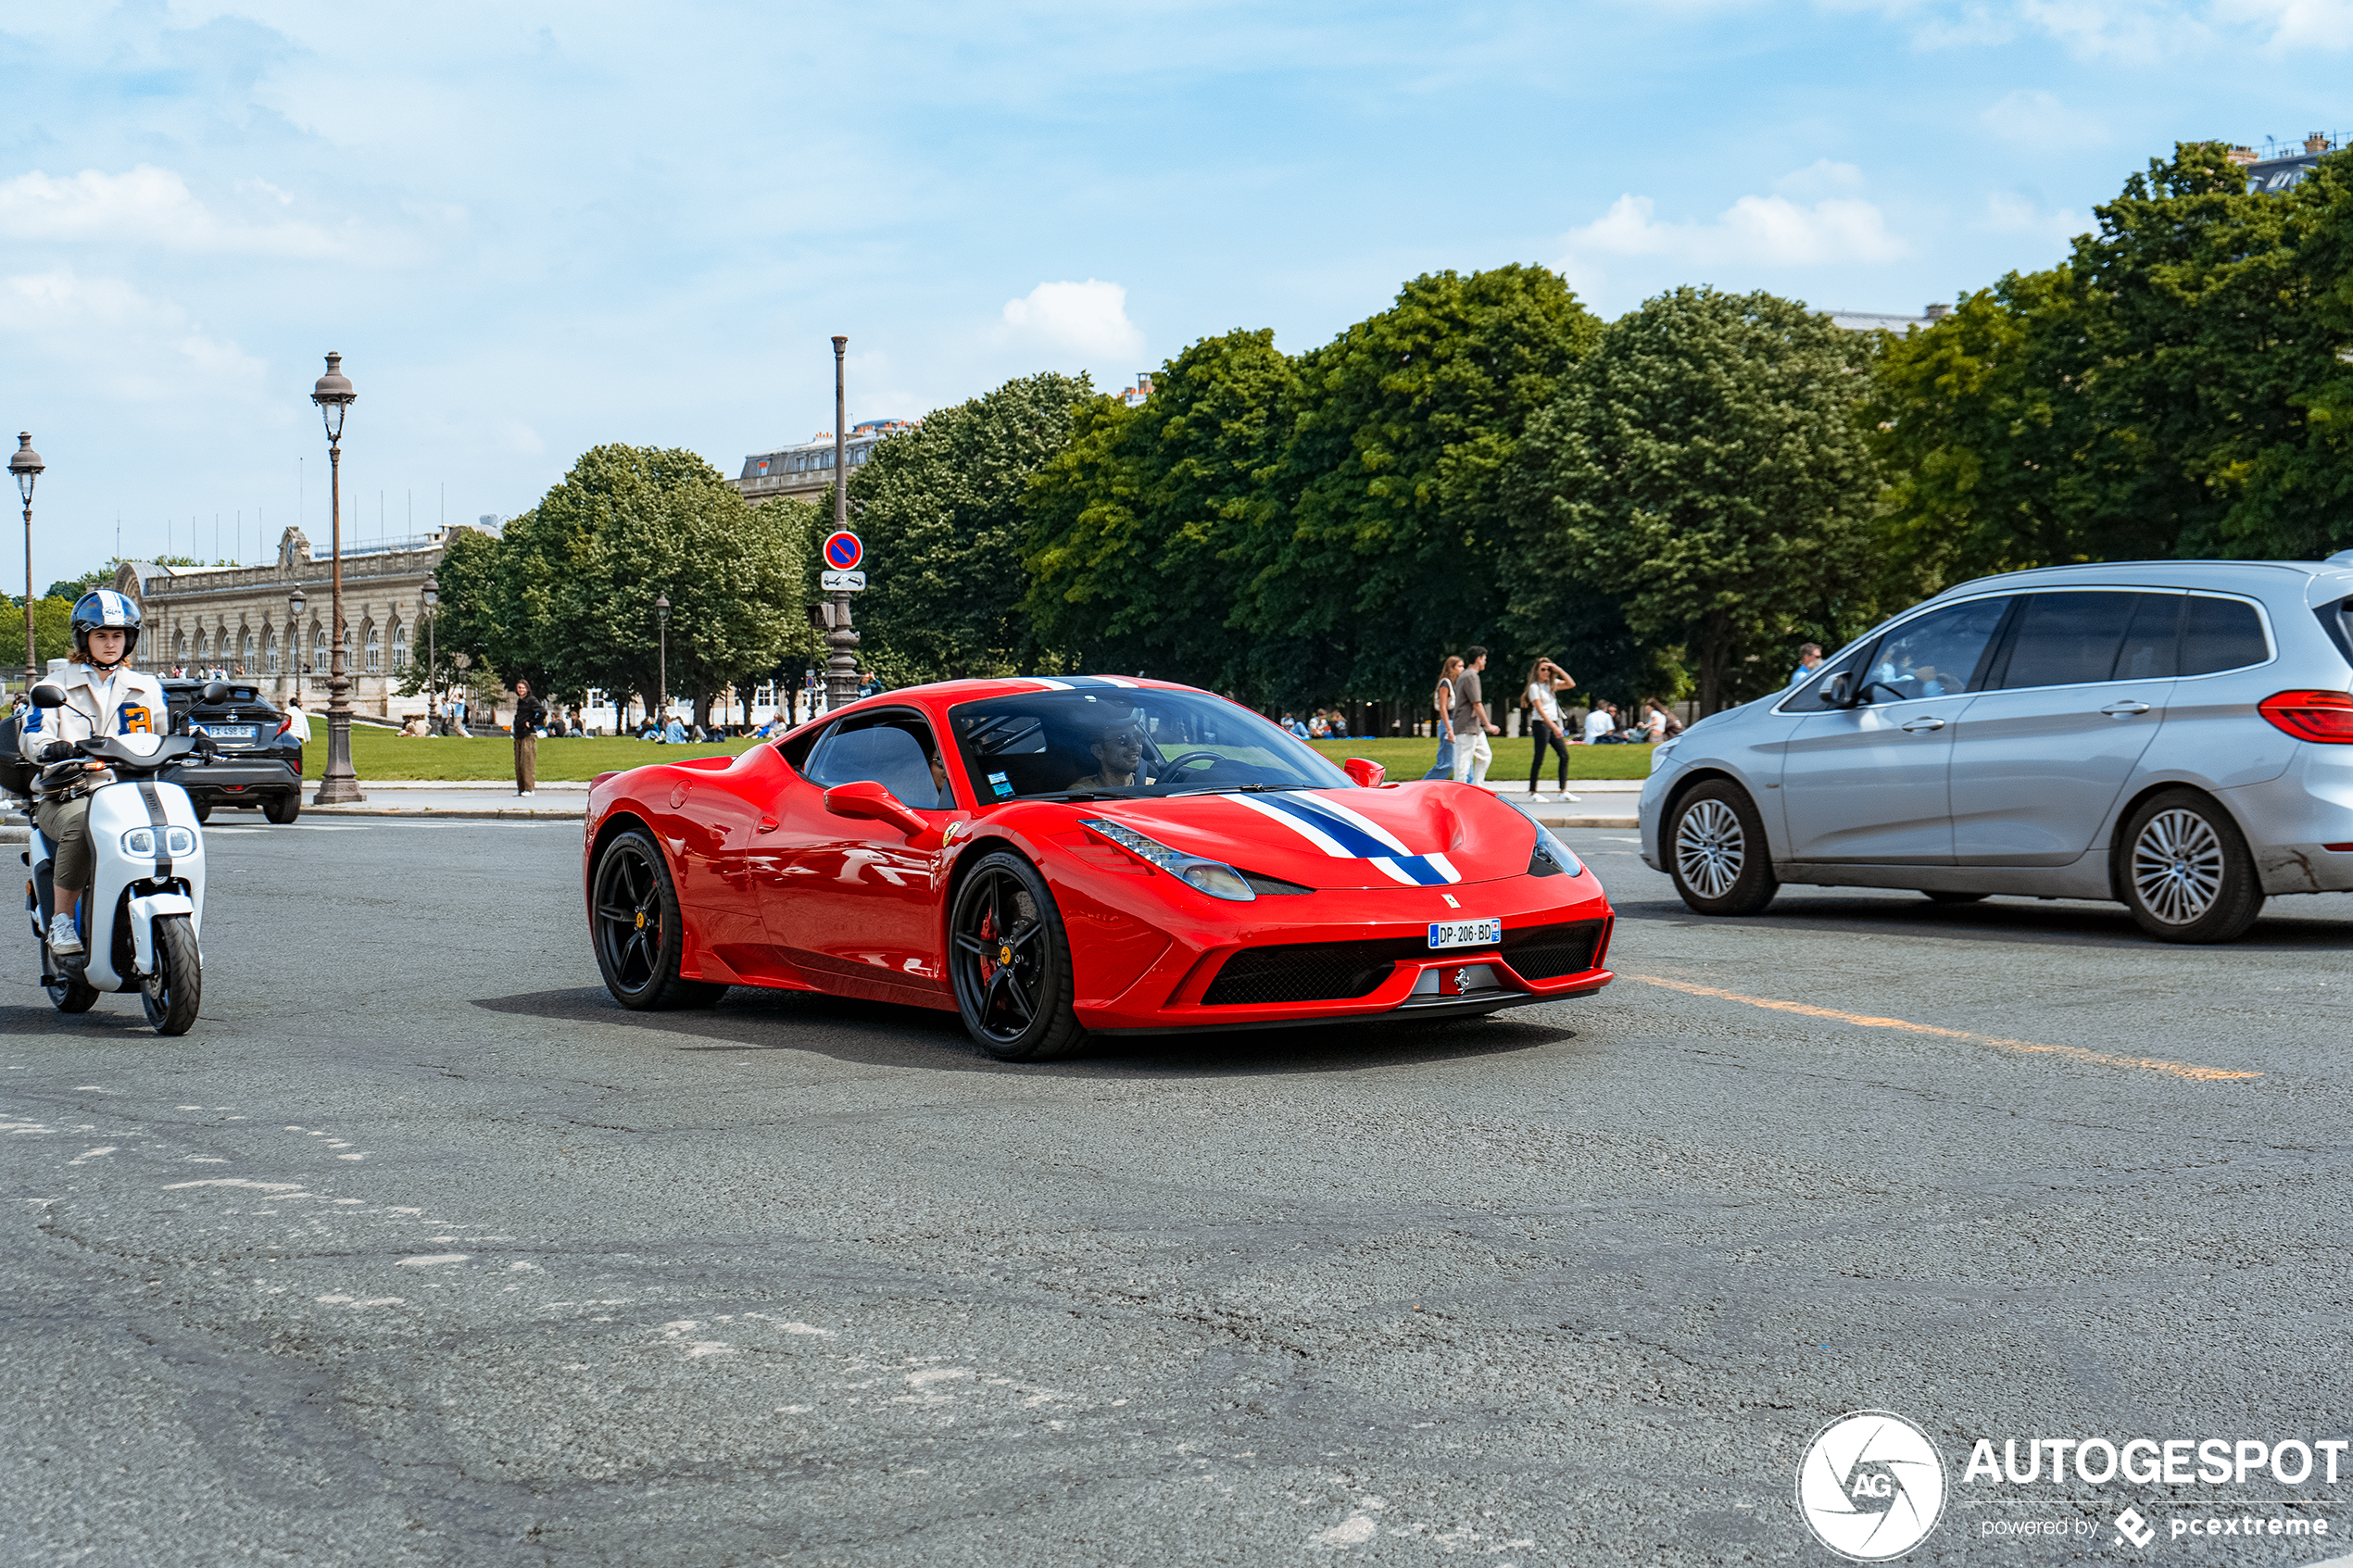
(843, 551)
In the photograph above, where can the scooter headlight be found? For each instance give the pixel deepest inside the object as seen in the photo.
(139, 841)
(183, 841)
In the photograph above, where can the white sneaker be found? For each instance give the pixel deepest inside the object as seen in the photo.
(64, 938)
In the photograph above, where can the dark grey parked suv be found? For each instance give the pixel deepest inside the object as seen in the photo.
(2175, 735)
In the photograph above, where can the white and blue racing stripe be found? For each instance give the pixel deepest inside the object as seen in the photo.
(1078, 683)
(1346, 834)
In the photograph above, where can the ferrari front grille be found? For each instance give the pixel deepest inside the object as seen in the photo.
(1547, 952)
(1309, 971)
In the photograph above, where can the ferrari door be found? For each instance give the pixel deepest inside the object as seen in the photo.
(854, 904)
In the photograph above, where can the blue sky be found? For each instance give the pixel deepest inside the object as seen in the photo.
(531, 227)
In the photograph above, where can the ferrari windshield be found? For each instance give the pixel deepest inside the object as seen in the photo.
(1093, 736)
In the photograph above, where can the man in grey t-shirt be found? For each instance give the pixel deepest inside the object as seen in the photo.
(1472, 754)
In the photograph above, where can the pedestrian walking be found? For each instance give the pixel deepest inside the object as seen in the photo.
(1809, 658)
(529, 714)
(298, 721)
(1546, 680)
(1473, 756)
(1442, 700)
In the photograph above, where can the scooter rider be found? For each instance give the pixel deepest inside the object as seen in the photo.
(103, 696)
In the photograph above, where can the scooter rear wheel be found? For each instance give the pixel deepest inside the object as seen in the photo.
(68, 992)
(173, 991)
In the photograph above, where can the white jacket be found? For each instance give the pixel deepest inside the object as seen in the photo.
(131, 703)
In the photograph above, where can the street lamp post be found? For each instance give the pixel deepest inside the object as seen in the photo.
(432, 666)
(661, 617)
(841, 669)
(293, 641)
(339, 786)
(26, 465)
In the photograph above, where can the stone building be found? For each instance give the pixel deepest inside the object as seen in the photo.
(802, 472)
(236, 618)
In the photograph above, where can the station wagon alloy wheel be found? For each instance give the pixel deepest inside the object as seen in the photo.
(2177, 866)
(1717, 851)
(1710, 849)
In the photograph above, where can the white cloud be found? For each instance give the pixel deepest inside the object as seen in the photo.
(105, 334)
(148, 206)
(2040, 119)
(1755, 231)
(1088, 320)
(2295, 24)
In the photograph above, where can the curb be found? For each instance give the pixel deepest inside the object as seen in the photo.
(517, 813)
(1589, 822)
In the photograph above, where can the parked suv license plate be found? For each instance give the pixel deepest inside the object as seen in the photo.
(1466, 933)
(227, 731)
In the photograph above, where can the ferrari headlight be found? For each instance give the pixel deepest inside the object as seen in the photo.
(1551, 856)
(140, 842)
(1213, 877)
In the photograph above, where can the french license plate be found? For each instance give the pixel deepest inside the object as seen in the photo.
(1465, 934)
(227, 731)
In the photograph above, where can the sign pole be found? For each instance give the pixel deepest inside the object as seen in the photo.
(841, 669)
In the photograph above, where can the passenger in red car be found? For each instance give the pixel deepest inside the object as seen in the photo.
(1119, 758)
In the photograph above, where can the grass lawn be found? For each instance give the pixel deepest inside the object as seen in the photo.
(1411, 759)
(384, 754)
(381, 754)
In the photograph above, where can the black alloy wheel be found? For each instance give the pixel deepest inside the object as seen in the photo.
(283, 809)
(636, 930)
(2183, 870)
(1010, 960)
(175, 989)
(1714, 848)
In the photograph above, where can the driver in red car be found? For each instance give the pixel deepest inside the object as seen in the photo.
(1118, 751)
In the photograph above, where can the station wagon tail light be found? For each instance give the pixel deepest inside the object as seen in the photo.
(2325, 717)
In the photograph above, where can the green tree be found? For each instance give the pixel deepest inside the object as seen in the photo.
(2176, 388)
(1706, 466)
(52, 632)
(940, 510)
(566, 597)
(1388, 536)
(1142, 544)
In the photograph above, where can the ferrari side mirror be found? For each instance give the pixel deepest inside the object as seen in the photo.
(1367, 775)
(869, 800)
(48, 694)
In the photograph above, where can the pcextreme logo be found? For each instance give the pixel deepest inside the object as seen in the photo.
(1871, 1485)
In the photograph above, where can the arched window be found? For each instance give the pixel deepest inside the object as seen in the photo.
(400, 645)
(270, 652)
(245, 664)
(318, 648)
(180, 647)
(374, 644)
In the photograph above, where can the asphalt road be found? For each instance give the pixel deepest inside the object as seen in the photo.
(416, 1251)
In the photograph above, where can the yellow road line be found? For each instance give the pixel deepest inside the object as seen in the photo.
(2073, 1053)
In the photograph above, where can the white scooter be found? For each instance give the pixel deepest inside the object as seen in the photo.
(143, 910)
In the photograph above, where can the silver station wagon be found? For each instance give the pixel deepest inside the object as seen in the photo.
(2176, 737)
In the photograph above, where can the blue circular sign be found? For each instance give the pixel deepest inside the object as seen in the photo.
(843, 551)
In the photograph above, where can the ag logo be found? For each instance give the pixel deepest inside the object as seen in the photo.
(1871, 1485)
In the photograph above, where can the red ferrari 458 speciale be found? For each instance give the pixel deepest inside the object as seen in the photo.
(1055, 858)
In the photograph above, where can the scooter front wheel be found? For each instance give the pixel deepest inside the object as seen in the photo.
(172, 992)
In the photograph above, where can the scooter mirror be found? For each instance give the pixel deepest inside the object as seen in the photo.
(48, 694)
(215, 691)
